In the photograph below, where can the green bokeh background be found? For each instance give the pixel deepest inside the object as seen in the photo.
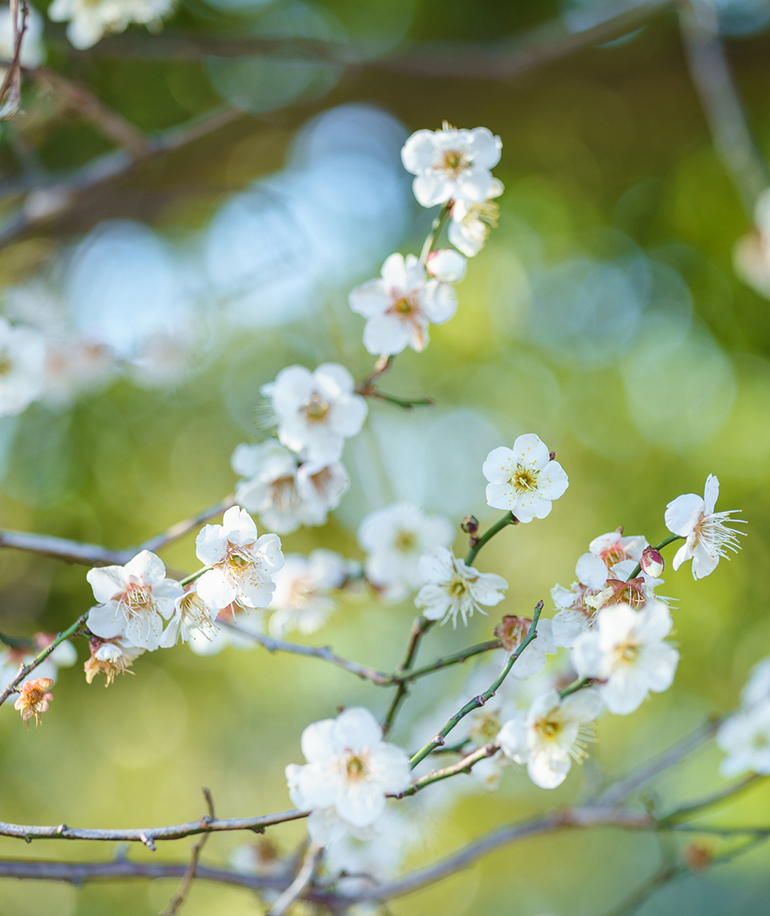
(608, 137)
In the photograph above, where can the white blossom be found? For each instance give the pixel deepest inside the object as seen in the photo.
(90, 20)
(191, 616)
(400, 305)
(316, 411)
(451, 588)
(471, 222)
(534, 657)
(302, 599)
(22, 367)
(133, 600)
(242, 563)
(745, 738)
(524, 479)
(221, 635)
(110, 657)
(284, 493)
(751, 255)
(552, 734)
(447, 265)
(451, 164)
(359, 859)
(757, 686)
(707, 537)
(627, 652)
(395, 538)
(348, 774)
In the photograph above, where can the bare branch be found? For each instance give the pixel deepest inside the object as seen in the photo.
(178, 899)
(297, 887)
(11, 84)
(180, 529)
(710, 801)
(63, 549)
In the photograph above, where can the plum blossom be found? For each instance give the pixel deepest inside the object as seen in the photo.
(451, 588)
(745, 738)
(90, 20)
(627, 653)
(34, 698)
(471, 222)
(512, 632)
(110, 657)
(349, 772)
(221, 635)
(191, 616)
(446, 264)
(133, 600)
(524, 479)
(757, 686)
(22, 367)
(400, 305)
(303, 597)
(451, 164)
(552, 734)
(707, 537)
(282, 492)
(395, 538)
(242, 563)
(317, 410)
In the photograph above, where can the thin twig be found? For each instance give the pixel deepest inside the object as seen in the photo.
(462, 766)
(63, 549)
(180, 529)
(297, 887)
(420, 627)
(11, 84)
(709, 801)
(189, 876)
(507, 519)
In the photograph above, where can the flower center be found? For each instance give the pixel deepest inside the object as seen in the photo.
(283, 494)
(457, 587)
(355, 768)
(453, 162)
(5, 364)
(524, 479)
(137, 599)
(486, 727)
(405, 541)
(628, 652)
(403, 306)
(316, 408)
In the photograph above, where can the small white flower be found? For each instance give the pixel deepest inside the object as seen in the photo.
(316, 411)
(349, 772)
(400, 305)
(513, 631)
(447, 265)
(751, 255)
(192, 616)
(451, 588)
(524, 479)
(626, 651)
(242, 563)
(758, 685)
(360, 859)
(551, 735)
(471, 222)
(110, 657)
(451, 164)
(302, 599)
(284, 494)
(32, 50)
(22, 367)
(133, 600)
(745, 738)
(395, 538)
(707, 537)
(90, 20)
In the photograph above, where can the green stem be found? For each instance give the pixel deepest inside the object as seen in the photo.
(482, 699)
(507, 519)
(435, 231)
(462, 766)
(665, 543)
(575, 686)
(405, 403)
(193, 576)
(457, 659)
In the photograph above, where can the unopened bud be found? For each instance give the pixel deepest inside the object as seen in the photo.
(652, 562)
(446, 265)
(698, 856)
(470, 524)
(552, 456)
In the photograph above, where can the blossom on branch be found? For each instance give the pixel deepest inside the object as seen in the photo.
(471, 222)
(552, 734)
(282, 492)
(707, 537)
(400, 305)
(745, 738)
(513, 631)
(192, 615)
(90, 20)
(242, 563)
(524, 479)
(34, 698)
(451, 163)
(22, 367)
(110, 657)
(447, 265)
(395, 538)
(349, 772)
(11, 659)
(302, 598)
(451, 588)
(316, 411)
(627, 653)
(134, 600)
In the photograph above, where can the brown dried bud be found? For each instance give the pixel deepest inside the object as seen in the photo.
(652, 562)
(34, 698)
(512, 631)
(698, 856)
(552, 456)
(470, 525)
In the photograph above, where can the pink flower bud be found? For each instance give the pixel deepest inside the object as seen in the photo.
(652, 562)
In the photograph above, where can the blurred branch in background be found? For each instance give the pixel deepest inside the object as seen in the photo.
(721, 101)
(10, 88)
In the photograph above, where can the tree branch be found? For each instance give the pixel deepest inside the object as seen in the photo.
(178, 899)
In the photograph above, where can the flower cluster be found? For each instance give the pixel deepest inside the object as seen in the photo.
(89, 21)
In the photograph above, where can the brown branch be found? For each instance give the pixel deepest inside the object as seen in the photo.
(709, 801)
(297, 887)
(178, 899)
(180, 529)
(11, 85)
(150, 835)
(63, 549)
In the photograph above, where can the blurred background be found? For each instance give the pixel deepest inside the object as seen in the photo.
(605, 315)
